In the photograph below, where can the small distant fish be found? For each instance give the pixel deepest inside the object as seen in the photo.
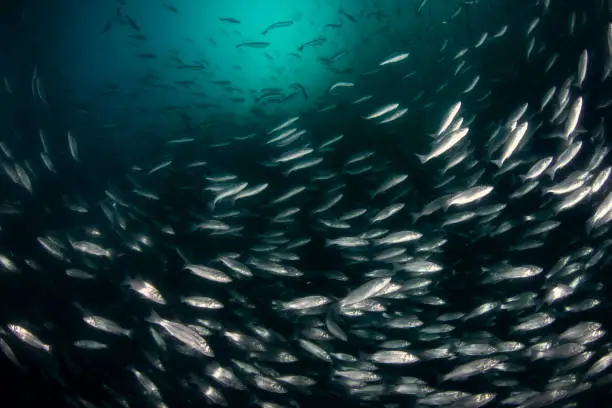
(229, 20)
(582, 68)
(313, 43)
(91, 248)
(278, 24)
(340, 85)
(445, 145)
(573, 118)
(347, 15)
(301, 89)
(382, 111)
(132, 23)
(171, 8)
(146, 290)
(421, 6)
(72, 145)
(181, 140)
(449, 117)
(106, 325)
(394, 116)
(395, 58)
(160, 166)
(513, 142)
(254, 44)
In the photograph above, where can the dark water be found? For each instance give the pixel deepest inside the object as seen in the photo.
(127, 79)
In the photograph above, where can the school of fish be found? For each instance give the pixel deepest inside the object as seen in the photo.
(469, 273)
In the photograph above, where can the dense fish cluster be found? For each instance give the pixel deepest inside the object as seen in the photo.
(300, 263)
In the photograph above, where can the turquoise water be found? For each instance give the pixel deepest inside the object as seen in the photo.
(125, 72)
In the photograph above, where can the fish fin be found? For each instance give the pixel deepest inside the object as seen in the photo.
(423, 158)
(153, 317)
(439, 377)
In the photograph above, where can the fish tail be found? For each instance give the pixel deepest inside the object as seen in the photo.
(153, 318)
(498, 163)
(423, 158)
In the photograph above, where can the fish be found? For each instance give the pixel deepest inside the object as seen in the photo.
(573, 118)
(395, 58)
(28, 337)
(106, 325)
(448, 143)
(312, 43)
(171, 8)
(395, 221)
(278, 24)
(132, 23)
(514, 140)
(72, 145)
(448, 118)
(383, 110)
(423, 3)
(229, 20)
(301, 89)
(468, 196)
(347, 15)
(582, 68)
(253, 44)
(160, 166)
